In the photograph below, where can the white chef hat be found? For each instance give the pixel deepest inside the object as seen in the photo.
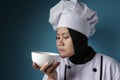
(75, 15)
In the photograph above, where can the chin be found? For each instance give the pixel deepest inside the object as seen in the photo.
(63, 55)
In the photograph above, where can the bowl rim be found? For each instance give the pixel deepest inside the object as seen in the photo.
(45, 53)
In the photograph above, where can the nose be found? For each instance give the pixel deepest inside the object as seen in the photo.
(61, 43)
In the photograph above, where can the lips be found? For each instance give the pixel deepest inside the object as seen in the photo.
(61, 50)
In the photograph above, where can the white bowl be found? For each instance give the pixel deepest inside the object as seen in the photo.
(40, 58)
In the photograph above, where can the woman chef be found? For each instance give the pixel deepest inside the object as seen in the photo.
(74, 23)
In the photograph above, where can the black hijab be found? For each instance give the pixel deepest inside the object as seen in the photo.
(82, 52)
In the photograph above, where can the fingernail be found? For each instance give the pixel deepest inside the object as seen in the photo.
(46, 63)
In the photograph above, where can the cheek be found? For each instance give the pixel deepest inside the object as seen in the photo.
(69, 44)
(70, 47)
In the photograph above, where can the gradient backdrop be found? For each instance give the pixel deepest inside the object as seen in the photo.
(24, 28)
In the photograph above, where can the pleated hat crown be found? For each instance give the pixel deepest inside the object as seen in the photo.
(75, 15)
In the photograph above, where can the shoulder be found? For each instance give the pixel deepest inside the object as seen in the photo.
(107, 61)
(107, 58)
(110, 64)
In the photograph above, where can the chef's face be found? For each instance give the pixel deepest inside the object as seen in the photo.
(64, 42)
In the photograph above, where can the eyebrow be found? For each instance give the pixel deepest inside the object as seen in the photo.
(63, 33)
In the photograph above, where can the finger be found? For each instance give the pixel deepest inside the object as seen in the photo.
(35, 66)
(52, 68)
(49, 66)
(44, 67)
(55, 66)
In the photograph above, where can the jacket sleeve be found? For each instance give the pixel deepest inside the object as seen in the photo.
(117, 76)
(116, 70)
(111, 70)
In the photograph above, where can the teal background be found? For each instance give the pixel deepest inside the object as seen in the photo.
(24, 28)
